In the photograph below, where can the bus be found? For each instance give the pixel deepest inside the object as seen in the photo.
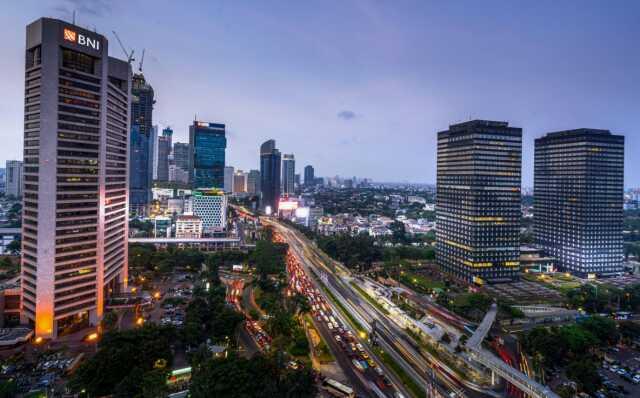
(623, 315)
(338, 389)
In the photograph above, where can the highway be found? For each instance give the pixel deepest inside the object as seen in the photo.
(415, 362)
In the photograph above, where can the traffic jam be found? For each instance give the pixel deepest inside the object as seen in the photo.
(345, 339)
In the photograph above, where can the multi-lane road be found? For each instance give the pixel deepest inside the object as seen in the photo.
(426, 370)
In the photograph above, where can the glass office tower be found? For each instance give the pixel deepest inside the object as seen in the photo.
(140, 155)
(208, 143)
(76, 154)
(270, 176)
(288, 174)
(309, 178)
(478, 201)
(578, 200)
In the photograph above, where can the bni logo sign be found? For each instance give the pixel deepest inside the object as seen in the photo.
(79, 38)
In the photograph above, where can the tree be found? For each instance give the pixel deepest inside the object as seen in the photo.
(8, 388)
(123, 360)
(14, 247)
(259, 377)
(109, 321)
(585, 373)
(603, 329)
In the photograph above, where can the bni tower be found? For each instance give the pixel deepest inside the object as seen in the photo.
(478, 201)
(208, 143)
(578, 200)
(74, 232)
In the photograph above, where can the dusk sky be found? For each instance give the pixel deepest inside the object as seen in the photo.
(361, 87)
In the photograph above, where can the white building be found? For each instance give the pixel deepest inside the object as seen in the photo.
(189, 227)
(211, 206)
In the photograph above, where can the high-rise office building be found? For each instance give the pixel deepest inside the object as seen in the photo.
(270, 176)
(478, 201)
(253, 182)
(13, 178)
(154, 152)
(288, 174)
(211, 206)
(228, 179)
(239, 182)
(309, 178)
(75, 199)
(164, 151)
(141, 148)
(208, 143)
(578, 200)
(181, 155)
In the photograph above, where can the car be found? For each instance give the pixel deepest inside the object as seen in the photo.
(358, 365)
(338, 338)
(379, 371)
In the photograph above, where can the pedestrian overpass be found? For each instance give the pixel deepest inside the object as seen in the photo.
(497, 365)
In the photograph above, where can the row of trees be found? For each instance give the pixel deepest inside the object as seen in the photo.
(602, 298)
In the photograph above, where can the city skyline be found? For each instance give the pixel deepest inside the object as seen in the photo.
(373, 93)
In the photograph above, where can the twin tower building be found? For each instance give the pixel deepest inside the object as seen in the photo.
(578, 200)
(76, 179)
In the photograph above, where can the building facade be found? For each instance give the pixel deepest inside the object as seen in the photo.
(239, 182)
(141, 146)
(269, 176)
(309, 178)
(228, 179)
(164, 151)
(211, 206)
(188, 227)
(181, 156)
(578, 200)
(208, 143)
(253, 182)
(478, 201)
(288, 174)
(13, 178)
(75, 201)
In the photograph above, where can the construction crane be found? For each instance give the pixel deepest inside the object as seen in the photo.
(129, 55)
(141, 61)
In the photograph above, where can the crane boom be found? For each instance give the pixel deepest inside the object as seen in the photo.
(129, 55)
(141, 61)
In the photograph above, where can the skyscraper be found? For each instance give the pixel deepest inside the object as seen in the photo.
(228, 179)
(181, 155)
(164, 150)
(269, 176)
(288, 174)
(578, 200)
(74, 245)
(208, 144)
(140, 154)
(253, 182)
(13, 178)
(478, 201)
(309, 178)
(239, 182)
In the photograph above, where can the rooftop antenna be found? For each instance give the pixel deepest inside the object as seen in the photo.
(74, 17)
(141, 61)
(129, 55)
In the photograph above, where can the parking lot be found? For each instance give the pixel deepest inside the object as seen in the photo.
(620, 373)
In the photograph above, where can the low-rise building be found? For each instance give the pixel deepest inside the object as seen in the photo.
(188, 226)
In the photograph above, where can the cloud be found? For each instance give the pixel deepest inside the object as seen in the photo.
(96, 8)
(346, 115)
